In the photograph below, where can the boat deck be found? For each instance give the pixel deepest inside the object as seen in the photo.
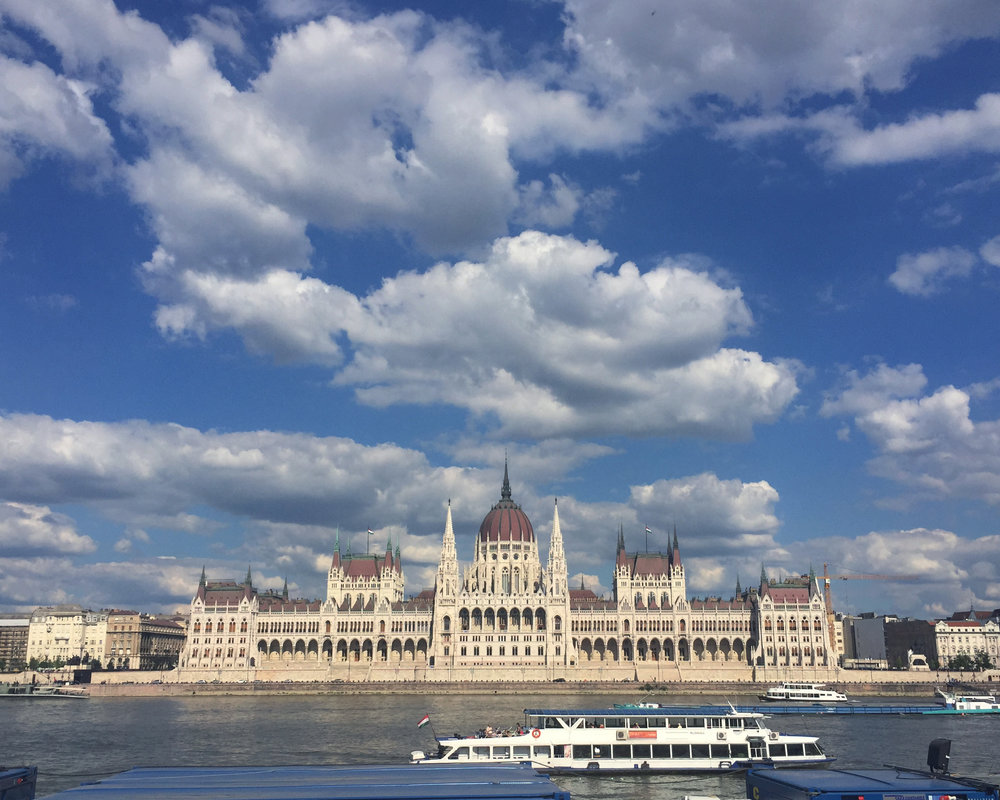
(446, 782)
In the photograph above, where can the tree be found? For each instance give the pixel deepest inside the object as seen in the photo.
(962, 662)
(982, 661)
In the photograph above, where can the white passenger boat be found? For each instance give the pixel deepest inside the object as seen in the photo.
(620, 740)
(961, 701)
(797, 692)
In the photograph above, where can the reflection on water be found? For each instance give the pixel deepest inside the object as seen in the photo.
(73, 741)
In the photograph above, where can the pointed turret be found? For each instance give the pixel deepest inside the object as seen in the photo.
(284, 591)
(204, 578)
(336, 552)
(447, 575)
(764, 581)
(739, 590)
(675, 553)
(249, 580)
(556, 571)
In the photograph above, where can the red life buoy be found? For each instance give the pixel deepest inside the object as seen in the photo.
(535, 732)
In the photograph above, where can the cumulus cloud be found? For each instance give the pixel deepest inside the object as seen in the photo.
(32, 530)
(928, 444)
(541, 335)
(42, 113)
(724, 516)
(729, 50)
(290, 498)
(952, 572)
(924, 274)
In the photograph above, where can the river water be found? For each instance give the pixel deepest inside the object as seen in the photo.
(73, 741)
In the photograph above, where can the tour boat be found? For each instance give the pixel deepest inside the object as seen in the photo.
(796, 692)
(972, 703)
(620, 740)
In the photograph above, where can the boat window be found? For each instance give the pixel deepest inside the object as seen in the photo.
(481, 752)
(699, 751)
(602, 751)
(657, 722)
(542, 751)
(614, 722)
(695, 722)
(678, 722)
(720, 750)
(715, 722)
(796, 749)
(734, 722)
(581, 751)
(813, 749)
(501, 752)
(661, 751)
(459, 754)
(642, 751)
(681, 750)
(739, 751)
(522, 751)
(621, 751)
(776, 751)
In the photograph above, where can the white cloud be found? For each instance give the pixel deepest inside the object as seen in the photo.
(924, 274)
(42, 113)
(946, 571)
(928, 444)
(541, 336)
(763, 53)
(728, 516)
(928, 136)
(32, 530)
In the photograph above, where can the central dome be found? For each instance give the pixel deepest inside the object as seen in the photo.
(506, 522)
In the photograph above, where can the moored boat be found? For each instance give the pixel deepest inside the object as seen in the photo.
(36, 691)
(968, 702)
(799, 692)
(621, 740)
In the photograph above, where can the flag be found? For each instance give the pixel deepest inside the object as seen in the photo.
(648, 530)
(371, 532)
(425, 721)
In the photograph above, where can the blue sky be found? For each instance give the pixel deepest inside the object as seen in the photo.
(273, 273)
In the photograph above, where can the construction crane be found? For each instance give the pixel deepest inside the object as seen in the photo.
(827, 597)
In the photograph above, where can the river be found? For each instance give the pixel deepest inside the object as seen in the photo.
(72, 741)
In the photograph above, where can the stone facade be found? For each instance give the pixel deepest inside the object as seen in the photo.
(506, 617)
(956, 637)
(60, 633)
(142, 642)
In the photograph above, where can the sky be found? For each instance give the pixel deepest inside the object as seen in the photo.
(274, 274)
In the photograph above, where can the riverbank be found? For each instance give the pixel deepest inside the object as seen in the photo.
(661, 692)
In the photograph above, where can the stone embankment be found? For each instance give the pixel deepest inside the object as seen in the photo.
(661, 692)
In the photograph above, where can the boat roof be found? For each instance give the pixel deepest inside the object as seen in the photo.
(402, 782)
(858, 782)
(642, 711)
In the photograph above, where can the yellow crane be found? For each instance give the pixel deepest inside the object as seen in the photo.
(854, 576)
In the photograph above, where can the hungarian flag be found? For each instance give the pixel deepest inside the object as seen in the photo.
(371, 532)
(648, 530)
(425, 721)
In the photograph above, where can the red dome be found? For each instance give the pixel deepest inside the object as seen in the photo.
(506, 522)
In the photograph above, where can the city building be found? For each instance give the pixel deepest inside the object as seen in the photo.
(67, 634)
(507, 617)
(13, 642)
(142, 642)
(967, 636)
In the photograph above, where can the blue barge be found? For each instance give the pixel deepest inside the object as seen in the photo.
(449, 782)
(849, 709)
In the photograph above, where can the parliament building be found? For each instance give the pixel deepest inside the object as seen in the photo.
(506, 617)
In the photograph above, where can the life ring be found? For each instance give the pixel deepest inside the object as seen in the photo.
(535, 733)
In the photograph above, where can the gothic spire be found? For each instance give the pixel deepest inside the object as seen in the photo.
(249, 580)
(505, 491)
(203, 580)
